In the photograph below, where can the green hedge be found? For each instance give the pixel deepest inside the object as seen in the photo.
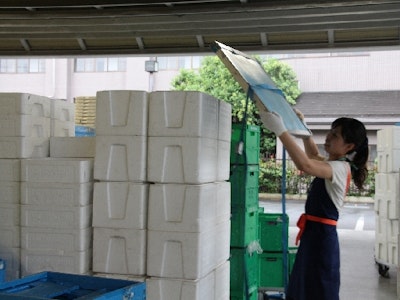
(297, 182)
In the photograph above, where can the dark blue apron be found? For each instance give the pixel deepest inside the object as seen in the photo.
(316, 271)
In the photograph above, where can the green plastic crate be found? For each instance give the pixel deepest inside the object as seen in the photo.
(251, 144)
(270, 231)
(243, 265)
(244, 226)
(244, 186)
(271, 270)
(292, 257)
(238, 296)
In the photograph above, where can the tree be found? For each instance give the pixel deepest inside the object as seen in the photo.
(215, 79)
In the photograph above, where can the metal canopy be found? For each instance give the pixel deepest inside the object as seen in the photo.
(90, 27)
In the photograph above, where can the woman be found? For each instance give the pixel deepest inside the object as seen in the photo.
(316, 271)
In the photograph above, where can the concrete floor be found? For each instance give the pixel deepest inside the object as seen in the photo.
(360, 279)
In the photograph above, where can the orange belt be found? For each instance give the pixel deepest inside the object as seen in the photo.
(301, 223)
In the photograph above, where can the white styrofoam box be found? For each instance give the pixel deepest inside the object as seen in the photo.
(57, 170)
(392, 254)
(38, 239)
(223, 201)
(181, 289)
(222, 242)
(56, 194)
(121, 251)
(10, 170)
(224, 121)
(62, 110)
(381, 252)
(12, 257)
(24, 125)
(62, 128)
(184, 114)
(25, 104)
(74, 262)
(120, 205)
(187, 255)
(388, 161)
(56, 216)
(182, 207)
(386, 206)
(392, 229)
(182, 160)
(10, 237)
(222, 281)
(9, 215)
(121, 112)
(84, 146)
(24, 147)
(223, 160)
(120, 158)
(10, 192)
(381, 235)
(388, 138)
(388, 184)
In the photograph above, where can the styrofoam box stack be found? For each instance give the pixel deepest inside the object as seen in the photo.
(10, 242)
(56, 215)
(387, 193)
(189, 198)
(62, 118)
(24, 125)
(121, 190)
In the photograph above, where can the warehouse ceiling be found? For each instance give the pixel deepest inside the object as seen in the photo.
(99, 27)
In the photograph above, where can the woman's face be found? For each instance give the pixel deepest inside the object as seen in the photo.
(335, 145)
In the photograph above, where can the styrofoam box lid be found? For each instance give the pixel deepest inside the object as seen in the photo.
(33, 238)
(25, 104)
(84, 146)
(120, 205)
(10, 169)
(57, 170)
(56, 194)
(62, 110)
(24, 147)
(120, 251)
(181, 113)
(121, 112)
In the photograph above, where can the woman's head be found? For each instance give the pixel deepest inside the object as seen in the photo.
(353, 132)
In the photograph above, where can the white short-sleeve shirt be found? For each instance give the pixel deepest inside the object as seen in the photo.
(338, 186)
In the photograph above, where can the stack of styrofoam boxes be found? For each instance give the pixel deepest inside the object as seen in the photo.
(56, 215)
(10, 243)
(189, 198)
(24, 133)
(120, 190)
(62, 118)
(387, 191)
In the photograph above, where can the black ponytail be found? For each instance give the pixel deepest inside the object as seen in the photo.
(354, 132)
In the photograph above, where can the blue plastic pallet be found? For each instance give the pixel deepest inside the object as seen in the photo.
(53, 285)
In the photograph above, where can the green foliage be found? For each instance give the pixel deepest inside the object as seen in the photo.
(270, 176)
(215, 79)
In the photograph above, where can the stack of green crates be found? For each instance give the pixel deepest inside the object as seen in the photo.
(273, 229)
(244, 177)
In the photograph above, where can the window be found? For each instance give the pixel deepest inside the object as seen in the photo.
(100, 64)
(23, 65)
(179, 62)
